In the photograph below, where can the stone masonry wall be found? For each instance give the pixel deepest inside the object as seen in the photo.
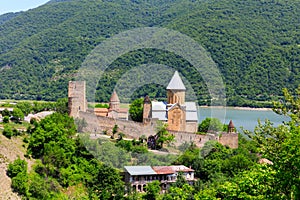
(229, 139)
(76, 98)
(129, 128)
(198, 140)
(134, 130)
(191, 127)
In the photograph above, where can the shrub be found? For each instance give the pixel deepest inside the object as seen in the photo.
(20, 183)
(100, 105)
(139, 149)
(210, 124)
(6, 112)
(8, 132)
(6, 119)
(16, 167)
(18, 115)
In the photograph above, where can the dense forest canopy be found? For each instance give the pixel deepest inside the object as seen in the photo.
(255, 44)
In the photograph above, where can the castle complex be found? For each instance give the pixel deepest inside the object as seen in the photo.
(181, 116)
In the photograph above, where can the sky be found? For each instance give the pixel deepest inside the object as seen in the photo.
(19, 5)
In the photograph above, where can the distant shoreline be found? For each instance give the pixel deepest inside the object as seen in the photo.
(238, 108)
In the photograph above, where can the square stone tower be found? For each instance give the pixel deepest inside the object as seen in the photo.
(147, 110)
(76, 98)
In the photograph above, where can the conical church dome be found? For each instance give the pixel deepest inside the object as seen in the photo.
(114, 97)
(176, 83)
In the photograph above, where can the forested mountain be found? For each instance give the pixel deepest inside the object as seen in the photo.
(255, 44)
(8, 16)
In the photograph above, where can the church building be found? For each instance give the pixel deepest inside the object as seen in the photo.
(176, 112)
(113, 111)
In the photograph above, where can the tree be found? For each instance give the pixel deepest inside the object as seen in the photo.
(8, 132)
(25, 107)
(100, 105)
(180, 181)
(152, 190)
(61, 106)
(257, 183)
(17, 171)
(58, 128)
(114, 131)
(81, 124)
(210, 124)
(163, 136)
(136, 110)
(184, 192)
(280, 145)
(18, 115)
(42, 188)
(290, 106)
(106, 183)
(16, 167)
(6, 119)
(5, 112)
(20, 184)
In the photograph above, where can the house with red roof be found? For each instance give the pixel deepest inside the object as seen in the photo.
(139, 176)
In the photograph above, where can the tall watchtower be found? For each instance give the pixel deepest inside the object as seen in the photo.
(147, 110)
(76, 98)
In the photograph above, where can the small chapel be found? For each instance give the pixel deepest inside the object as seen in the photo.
(176, 112)
(113, 111)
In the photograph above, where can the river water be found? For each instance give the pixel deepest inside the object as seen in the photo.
(241, 117)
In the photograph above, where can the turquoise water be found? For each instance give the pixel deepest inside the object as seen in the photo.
(241, 118)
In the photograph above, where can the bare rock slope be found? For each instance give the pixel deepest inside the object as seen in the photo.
(10, 149)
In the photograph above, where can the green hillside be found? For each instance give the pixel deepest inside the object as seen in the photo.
(8, 16)
(255, 44)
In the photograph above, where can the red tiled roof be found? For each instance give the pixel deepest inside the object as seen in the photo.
(163, 169)
(181, 168)
(171, 169)
(100, 110)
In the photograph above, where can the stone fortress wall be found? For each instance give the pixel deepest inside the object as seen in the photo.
(98, 124)
(133, 130)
